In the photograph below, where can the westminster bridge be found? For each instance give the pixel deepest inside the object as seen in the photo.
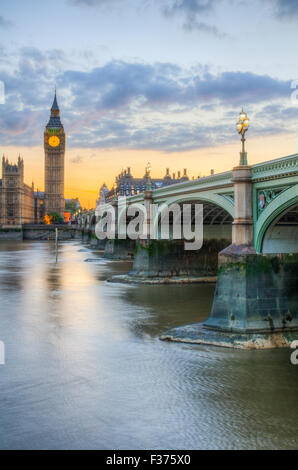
(274, 186)
(250, 249)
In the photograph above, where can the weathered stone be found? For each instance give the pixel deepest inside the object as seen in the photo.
(128, 279)
(119, 249)
(255, 303)
(46, 232)
(96, 243)
(198, 334)
(86, 236)
(168, 258)
(38, 232)
(255, 292)
(11, 233)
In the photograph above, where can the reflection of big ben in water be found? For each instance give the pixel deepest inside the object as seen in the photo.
(54, 147)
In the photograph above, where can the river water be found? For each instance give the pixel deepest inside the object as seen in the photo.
(85, 368)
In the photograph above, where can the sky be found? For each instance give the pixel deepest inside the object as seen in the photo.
(147, 80)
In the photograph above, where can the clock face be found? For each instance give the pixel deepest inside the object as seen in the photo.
(54, 141)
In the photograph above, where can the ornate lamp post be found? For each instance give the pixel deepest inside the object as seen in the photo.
(242, 231)
(242, 127)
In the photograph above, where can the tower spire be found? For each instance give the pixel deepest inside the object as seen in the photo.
(55, 106)
(54, 146)
(54, 121)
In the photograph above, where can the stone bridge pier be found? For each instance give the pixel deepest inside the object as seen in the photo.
(118, 248)
(162, 260)
(86, 227)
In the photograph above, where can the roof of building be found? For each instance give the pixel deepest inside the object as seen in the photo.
(54, 122)
(126, 184)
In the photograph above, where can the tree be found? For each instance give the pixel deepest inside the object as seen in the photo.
(72, 206)
(53, 218)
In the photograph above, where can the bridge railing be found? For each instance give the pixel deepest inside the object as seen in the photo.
(275, 168)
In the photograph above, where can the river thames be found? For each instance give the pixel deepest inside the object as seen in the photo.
(85, 367)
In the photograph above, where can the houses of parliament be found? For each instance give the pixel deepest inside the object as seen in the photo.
(19, 203)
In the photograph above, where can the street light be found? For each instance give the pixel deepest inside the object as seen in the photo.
(242, 126)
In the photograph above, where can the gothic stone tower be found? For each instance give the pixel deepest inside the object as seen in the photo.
(54, 147)
(17, 199)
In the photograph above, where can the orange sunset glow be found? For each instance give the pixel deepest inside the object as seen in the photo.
(87, 169)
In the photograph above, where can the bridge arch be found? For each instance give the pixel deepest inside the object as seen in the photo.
(215, 208)
(203, 197)
(273, 215)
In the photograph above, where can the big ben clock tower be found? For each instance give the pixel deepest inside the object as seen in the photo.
(54, 147)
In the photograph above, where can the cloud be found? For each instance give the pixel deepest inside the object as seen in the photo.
(174, 136)
(192, 24)
(122, 85)
(240, 87)
(93, 3)
(133, 104)
(286, 8)
(189, 7)
(33, 77)
(77, 159)
(4, 23)
(138, 106)
(282, 9)
(119, 84)
(29, 81)
(192, 12)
